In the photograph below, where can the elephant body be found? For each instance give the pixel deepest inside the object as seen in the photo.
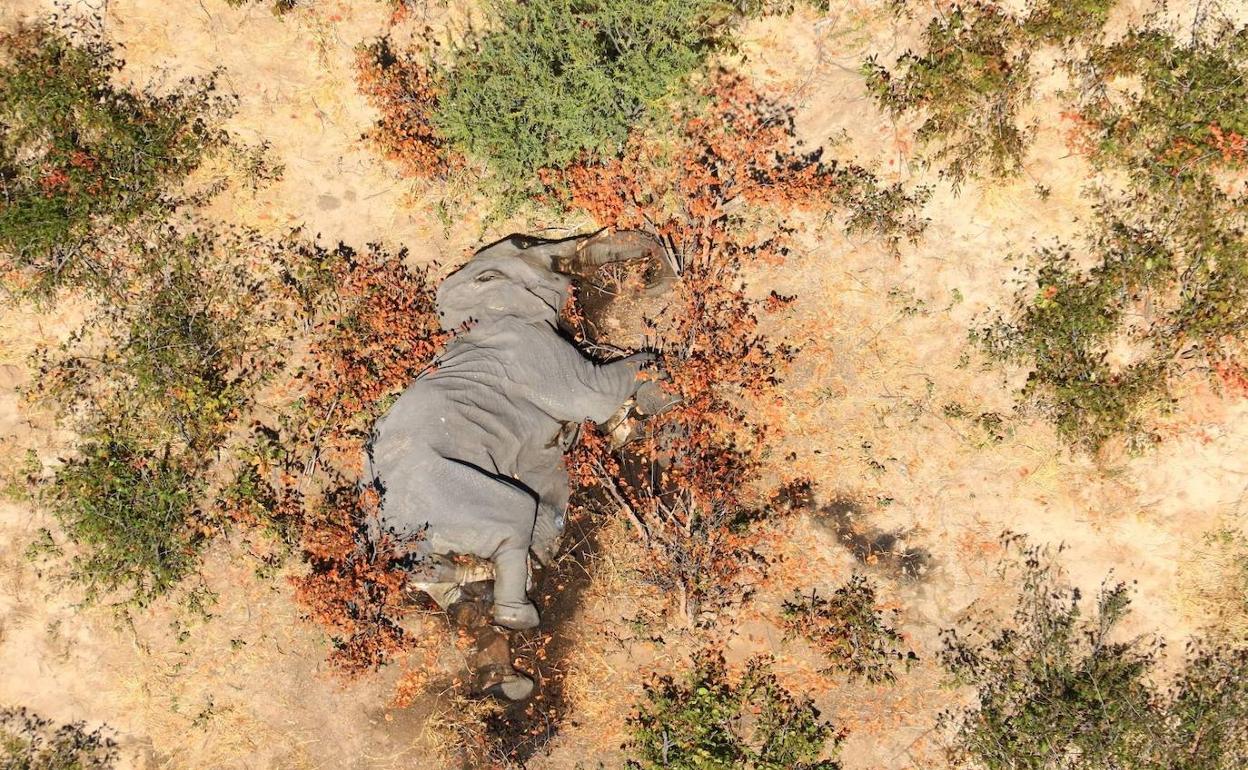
(469, 457)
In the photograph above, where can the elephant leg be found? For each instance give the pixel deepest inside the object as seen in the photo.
(512, 608)
(548, 478)
(489, 650)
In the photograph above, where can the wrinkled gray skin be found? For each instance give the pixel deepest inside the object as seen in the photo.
(470, 454)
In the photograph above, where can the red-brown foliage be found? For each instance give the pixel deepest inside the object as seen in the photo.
(700, 518)
(355, 590)
(374, 328)
(403, 90)
(739, 149)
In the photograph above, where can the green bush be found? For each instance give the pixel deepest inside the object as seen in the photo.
(78, 153)
(30, 742)
(1169, 111)
(974, 75)
(1055, 689)
(851, 629)
(707, 721)
(158, 379)
(178, 350)
(278, 7)
(1066, 324)
(552, 81)
(1158, 287)
(970, 83)
(130, 510)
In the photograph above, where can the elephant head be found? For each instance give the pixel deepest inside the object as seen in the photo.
(528, 278)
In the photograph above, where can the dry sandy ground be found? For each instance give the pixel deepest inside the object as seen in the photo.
(884, 350)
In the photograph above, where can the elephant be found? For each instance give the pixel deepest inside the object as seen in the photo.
(468, 460)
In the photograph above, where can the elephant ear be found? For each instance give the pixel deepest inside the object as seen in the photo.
(501, 284)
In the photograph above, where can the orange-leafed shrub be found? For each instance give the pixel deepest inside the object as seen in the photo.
(373, 329)
(739, 149)
(403, 90)
(355, 590)
(701, 512)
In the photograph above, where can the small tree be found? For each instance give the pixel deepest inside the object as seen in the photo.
(850, 629)
(552, 81)
(1055, 689)
(78, 153)
(30, 742)
(707, 721)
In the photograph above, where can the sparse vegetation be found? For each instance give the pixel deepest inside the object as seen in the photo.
(1167, 289)
(278, 7)
(133, 511)
(30, 742)
(155, 380)
(970, 82)
(1056, 688)
(400, 85)
(78, 153)
(704, 520)
(1157, 286)
(708, 720)
(975, 74)
(851, 629)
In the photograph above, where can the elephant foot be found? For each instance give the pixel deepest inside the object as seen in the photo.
(517, 617)
(512, 687)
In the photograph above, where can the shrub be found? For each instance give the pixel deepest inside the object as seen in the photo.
(974, 75)
(404, 90)
(78, 153)
(178, 350)
(354, 589)
(1168, 275)
(1187, 118)
(970, 83)
(550, 82)
(1056, 689)
(850, 629)
(1059, 22)
(703, 520)
(157, 379)
(133, 512)
(30, 742)
(708, 721)
(1066, 326)
(373, 329)
(278, 7)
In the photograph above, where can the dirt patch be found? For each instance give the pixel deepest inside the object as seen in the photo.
(885, 550)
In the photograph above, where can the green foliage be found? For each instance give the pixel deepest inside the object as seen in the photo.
(969, 83)
(29, 742)
(1066, 326)
(1061, 21)
(707, 721)
(156, 379)
(130, 509)
(1055, 689)
(1159, 284)
(851, 629)
(1187, 117)
(1162, 272)
(278, 7)
(552, 81)
(973, 77)
(78, 153)
(178, 349)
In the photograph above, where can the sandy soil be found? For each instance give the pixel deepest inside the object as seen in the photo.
(884, 343)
